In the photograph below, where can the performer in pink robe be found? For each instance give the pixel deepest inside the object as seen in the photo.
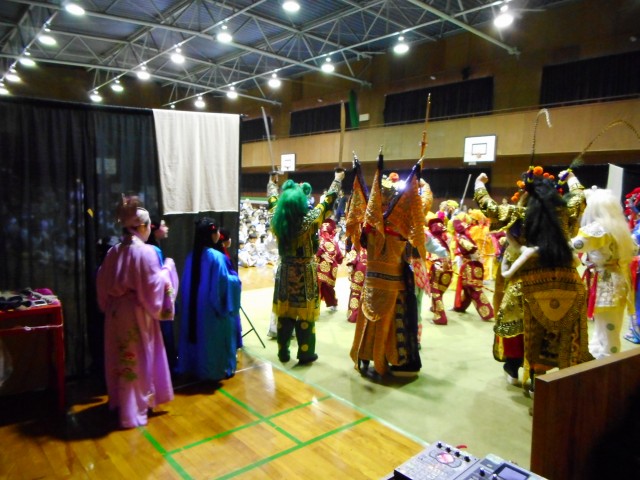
(135, 293)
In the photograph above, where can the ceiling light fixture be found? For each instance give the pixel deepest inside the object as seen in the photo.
(199, 103)
(95, 96)
(12, 76)
(177, 57)
(504, 19)
(27, 62)
(327, 66)
(117, 87)
(291, 6)
(274, 81)
(3, 89)
(143, 74)
(74, 9)
(224, 36)
(232, 94)
(47, 40)
(401, 48)
(172, 106)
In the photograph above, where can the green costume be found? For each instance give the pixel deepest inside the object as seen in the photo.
(296, 299)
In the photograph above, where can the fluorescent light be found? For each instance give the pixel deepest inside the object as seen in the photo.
(274, 81)
(117, 87)
(177, 57)
(291, 6)
(232, 94)
(143, 74)
(47, 40)
(95, 96)
(327, 66)
(12, 77)
(27, 62)
(74, 9)
(200, 103)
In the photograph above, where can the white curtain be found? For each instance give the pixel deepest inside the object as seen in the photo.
(199, 161)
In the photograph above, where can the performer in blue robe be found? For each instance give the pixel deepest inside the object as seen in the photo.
(210, 306)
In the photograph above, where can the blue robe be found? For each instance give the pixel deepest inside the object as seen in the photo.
(213, 356)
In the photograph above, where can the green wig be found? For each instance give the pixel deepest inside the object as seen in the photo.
(290, 212)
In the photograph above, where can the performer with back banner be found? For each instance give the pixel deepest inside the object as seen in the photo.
(387, 323)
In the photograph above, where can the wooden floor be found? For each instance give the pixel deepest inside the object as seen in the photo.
(262, 423)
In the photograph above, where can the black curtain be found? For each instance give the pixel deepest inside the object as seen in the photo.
(468, 98)
(611, 77)
(64, 167)
(253, 130)
(318, 120)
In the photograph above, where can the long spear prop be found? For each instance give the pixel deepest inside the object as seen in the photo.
(424, 142)
(343, 126)
(266, 129)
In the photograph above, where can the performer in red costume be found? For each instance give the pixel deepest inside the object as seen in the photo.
(469, 288)
(441, 271)
(329, 258)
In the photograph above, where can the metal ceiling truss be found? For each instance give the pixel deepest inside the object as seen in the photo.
(117, 37)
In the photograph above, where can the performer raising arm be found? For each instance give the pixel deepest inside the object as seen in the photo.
(296, 300)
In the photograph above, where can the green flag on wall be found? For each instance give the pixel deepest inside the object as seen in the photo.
(354, 118)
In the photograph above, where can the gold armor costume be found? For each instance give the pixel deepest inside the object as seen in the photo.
(547, 305)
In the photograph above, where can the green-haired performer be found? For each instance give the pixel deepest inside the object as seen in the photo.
(296, 300)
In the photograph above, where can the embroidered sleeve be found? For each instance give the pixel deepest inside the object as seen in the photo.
(505, 214)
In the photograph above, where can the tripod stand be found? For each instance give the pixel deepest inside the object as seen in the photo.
(252, 329)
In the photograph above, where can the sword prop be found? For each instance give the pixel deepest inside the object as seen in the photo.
(464, 194)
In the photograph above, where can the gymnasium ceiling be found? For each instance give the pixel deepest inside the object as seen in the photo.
(117, 38)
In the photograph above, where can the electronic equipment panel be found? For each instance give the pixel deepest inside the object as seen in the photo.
(442, 461)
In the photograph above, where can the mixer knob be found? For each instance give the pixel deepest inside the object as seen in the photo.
(457, 453)
(439, 444)
(467, 458)
(481, 472)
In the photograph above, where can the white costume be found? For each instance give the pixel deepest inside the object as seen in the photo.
(612, 288)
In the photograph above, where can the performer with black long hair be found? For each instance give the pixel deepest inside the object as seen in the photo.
(210, 307)
(543, 316)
